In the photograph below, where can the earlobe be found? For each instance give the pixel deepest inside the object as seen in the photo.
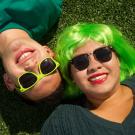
(8, 82)
(49, 51)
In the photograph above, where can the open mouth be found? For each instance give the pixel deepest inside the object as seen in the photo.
(98, 78)
(24, 55)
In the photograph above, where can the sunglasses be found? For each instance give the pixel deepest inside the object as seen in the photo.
(29, 79)
(103, 54)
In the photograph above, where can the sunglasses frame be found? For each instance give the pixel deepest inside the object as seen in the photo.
(88, 54)
(39, 76)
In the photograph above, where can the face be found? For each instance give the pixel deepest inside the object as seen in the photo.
(24, 56)
(98, 79)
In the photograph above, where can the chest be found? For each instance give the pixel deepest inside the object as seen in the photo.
(116, 113)
(87, 123)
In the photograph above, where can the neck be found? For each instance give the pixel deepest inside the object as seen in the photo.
(116, 107)
(8, 36)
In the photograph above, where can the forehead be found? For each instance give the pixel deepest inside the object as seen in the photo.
(88, 47)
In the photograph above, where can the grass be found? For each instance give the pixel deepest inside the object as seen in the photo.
(20, 118)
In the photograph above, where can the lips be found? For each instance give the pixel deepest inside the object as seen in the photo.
(98, 78)
(24, 55)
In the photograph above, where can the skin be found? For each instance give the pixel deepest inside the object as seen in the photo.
(100, 83)
(85, 78)
(13, 44)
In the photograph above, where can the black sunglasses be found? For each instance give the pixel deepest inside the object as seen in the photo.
(29, 79)
(103, 54)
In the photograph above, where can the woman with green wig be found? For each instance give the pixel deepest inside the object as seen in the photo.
(76, 36)
(95, 59)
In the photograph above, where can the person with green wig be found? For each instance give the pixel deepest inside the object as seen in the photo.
(95, 59)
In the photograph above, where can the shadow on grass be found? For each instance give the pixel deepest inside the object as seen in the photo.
(20, 116)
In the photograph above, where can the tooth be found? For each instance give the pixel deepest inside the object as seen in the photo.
(24, 55)
(98, 77)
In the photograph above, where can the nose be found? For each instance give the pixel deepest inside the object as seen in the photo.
(32, 67)
(94, 64)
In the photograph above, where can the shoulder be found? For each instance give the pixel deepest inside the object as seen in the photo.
(61, 119)
(66, 110)
(130, 82)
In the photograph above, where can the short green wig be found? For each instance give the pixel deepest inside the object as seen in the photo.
(75, 36)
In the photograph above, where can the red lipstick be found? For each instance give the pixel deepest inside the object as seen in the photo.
(98, 78)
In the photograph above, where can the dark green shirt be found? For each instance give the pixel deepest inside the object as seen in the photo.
(77, 120)
(34, 16)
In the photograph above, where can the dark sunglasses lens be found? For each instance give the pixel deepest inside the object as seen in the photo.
(47, 66)
(103, 54)
(81, 62)
(27, 80)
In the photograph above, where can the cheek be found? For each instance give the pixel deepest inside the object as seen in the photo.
(13, 71)
(114, 67)
(78, 76)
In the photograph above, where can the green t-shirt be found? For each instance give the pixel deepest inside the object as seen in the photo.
(34, 16)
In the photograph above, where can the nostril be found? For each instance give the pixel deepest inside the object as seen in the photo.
(27, 68)
(99, 67)
(93, 69)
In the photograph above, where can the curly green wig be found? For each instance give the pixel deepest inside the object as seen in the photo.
(77, 35)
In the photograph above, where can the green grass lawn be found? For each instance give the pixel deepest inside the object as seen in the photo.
(20, 118)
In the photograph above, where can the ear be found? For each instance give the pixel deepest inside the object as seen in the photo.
(8, 82)
(49, 51)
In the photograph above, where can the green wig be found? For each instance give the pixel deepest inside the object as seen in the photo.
(77, 35)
